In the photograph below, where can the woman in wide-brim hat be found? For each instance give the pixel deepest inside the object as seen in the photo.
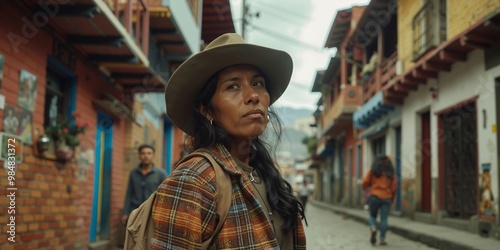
(221, 97)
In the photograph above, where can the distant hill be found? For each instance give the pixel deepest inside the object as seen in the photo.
(288, 115)
(291, 139)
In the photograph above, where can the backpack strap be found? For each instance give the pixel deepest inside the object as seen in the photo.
(223, 194)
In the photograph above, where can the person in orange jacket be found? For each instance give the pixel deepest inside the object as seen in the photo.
(382, 182)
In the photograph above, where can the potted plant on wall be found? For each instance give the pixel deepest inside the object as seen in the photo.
(65, 135)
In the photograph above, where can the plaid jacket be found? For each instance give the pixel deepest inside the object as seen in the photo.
(184, 211)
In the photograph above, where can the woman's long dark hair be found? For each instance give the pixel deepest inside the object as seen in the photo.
(279, 191)
(383, 164)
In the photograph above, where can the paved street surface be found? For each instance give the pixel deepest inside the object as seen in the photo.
(327, 231)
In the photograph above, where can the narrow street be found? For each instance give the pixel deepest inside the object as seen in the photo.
(328, 230)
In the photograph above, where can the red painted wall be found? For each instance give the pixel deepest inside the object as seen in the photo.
(53, 207)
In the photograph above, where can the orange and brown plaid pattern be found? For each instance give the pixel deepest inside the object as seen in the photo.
(184, 211)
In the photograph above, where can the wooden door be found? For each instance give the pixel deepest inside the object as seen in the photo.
(425, 149)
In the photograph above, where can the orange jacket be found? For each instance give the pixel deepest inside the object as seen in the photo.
(382, 187)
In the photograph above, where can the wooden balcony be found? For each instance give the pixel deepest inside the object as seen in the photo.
(135, 19)
(339, 116)
(113, 35)
(384, 73)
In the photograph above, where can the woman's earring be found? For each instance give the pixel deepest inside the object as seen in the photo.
(209, 118)
(268, 118)
(211, 121)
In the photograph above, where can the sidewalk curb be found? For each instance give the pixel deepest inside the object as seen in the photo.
(430, 240)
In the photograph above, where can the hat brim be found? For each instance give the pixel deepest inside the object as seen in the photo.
(188, 80)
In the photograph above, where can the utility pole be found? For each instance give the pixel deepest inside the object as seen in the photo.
(244, 18)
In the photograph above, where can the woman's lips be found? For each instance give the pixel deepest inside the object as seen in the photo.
(256, 113)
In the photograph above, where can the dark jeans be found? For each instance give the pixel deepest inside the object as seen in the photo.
(303, 199)
(383, 205)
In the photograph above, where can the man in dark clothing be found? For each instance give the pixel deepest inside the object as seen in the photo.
(143, 181)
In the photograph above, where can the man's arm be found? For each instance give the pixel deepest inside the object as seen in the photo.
(128, 200)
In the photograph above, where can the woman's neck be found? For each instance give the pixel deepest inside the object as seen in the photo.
(241, 150)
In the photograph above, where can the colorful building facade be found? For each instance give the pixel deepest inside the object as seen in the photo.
(338, 156)
(429, 72)
(449, 112)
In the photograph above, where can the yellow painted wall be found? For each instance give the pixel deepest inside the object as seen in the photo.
(133, 138)
(464, 13)
(406, 12)
(461, 15)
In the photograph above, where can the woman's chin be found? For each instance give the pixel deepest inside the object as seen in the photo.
(250, 132)
(256, 132)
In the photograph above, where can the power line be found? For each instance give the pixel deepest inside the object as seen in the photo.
(287, 39)
(280, 8)
(280, 17)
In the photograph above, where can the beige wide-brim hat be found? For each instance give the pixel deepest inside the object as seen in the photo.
(229, 49)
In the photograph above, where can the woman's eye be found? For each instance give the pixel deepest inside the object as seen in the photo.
(232, 86)
(258, 83)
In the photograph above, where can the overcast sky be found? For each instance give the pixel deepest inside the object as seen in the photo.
(298, 27)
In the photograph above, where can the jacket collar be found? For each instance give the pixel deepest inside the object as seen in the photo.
(225, 159)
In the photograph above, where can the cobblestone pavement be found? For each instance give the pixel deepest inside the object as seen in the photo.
(327, 231)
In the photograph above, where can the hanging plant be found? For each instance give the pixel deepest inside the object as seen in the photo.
(65, 133)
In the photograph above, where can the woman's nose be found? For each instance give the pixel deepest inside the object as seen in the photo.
(253, 97)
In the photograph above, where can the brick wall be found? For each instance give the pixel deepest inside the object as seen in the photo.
(53, 207)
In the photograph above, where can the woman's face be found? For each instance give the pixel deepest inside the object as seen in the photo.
(240, 102)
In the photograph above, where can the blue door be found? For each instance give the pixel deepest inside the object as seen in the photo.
(167, 145)
(100, 220)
